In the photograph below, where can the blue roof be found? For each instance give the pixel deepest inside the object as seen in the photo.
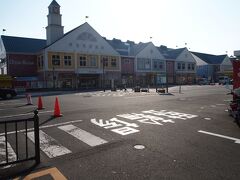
(121, 47)
(137, 48)
(170, 53)
(22, 45)
(209, 58)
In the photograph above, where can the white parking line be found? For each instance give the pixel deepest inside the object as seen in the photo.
(222, 136)
(82, 135)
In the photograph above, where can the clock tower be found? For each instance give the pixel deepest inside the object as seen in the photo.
(54, 28)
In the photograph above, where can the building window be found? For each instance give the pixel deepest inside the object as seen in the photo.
(93, 61)
(67, 60)
(158, 64)
(114, 62)
(40, 61)
(55, 60)
(155, 65)
(126, 61)
(193, 67)
(83, 61)
(189, 67)
(161, 65)
(105, 61)
(183, 66)
(147, 64)
(179, 66)
(140, 63)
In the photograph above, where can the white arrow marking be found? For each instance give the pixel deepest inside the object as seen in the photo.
(222, 136)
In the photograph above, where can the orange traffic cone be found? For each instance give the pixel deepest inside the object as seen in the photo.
(29, 99)
(57, 112)
(40, 104)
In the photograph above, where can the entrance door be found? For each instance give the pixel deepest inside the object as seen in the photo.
(88, 82)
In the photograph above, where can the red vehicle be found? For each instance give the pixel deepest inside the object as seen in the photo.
(234, 108)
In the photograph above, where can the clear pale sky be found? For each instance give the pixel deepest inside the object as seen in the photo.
(208, 26)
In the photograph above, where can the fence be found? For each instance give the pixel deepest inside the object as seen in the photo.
(14, 125)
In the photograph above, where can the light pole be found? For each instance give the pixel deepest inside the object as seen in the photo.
(103, 65)
(180, 80)
(167, 77)
(53, 71)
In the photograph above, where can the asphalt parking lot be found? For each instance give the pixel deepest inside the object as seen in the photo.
(186, 135)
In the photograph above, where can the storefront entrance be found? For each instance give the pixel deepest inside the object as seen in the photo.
(88, 82)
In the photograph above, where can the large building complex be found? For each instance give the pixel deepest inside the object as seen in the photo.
(82, 58)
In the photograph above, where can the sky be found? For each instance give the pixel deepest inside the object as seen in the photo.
(207, 26)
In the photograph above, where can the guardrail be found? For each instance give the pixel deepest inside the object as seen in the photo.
(14, 125)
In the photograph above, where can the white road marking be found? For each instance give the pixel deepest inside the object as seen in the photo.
(139, 96)
(220, 104)
(43, 127)
(125, 130)
(49, 145)
(222, 136)
(208, 119)
(22, 107)
(11, 154)
(124, 122)
(82, 135)
(25, 114)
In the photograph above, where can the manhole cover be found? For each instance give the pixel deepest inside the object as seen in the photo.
(139, 146)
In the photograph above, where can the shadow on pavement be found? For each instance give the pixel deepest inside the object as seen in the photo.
(21, 169)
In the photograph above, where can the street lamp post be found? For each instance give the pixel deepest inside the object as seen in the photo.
(103, 65)
(53, 71)
(167, 77)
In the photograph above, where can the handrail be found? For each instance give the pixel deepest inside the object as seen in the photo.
(36, 157)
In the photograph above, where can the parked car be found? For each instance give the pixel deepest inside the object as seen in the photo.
(224, 80)
(203, 81)
(7, 93)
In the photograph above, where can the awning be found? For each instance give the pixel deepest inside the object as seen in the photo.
(31, 78)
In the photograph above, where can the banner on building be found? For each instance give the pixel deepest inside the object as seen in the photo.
(236, 74)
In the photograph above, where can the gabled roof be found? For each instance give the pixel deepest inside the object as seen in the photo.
(137, 48)
(22, 44)
(170, 53)
(209, 58)
(121, 47)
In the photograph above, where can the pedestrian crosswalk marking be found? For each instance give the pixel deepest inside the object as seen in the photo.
(82, 135)
(11, 154)
(49, 145)
(108, 94)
